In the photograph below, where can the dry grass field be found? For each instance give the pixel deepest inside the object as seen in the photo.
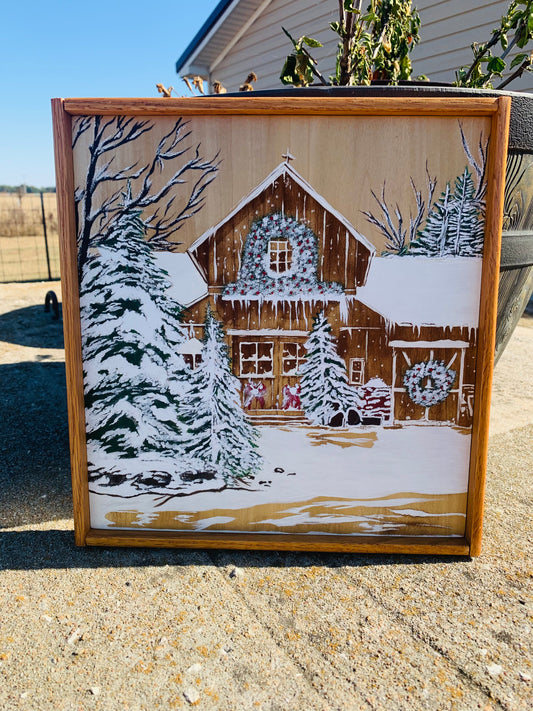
(22, 242)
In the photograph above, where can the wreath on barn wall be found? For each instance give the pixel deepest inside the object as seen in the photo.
(299, 278)
(428, 382)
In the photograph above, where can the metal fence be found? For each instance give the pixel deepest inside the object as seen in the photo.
(29, 245)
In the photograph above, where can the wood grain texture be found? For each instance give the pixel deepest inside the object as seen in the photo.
(209, 110)
(487, 323)
(400, 515)
(62, 124)
(368, 106)
(244, 541)
(342, 172)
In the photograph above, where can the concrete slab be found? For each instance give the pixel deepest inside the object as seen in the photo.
(145, 629)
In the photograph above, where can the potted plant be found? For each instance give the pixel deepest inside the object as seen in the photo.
(373, 59)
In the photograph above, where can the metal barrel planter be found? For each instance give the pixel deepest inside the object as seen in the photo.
(516, 265)
(516, 262)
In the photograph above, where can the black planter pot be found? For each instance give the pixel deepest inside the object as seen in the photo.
(516, 264)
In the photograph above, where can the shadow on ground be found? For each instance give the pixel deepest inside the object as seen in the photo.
(55, 549)
(32, 327)
(34, 453)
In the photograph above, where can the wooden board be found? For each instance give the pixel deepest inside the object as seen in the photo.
(280, 318)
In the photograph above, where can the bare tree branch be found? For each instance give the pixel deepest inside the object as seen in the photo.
(162, 228)
(414, 223)
(81, 125)
(95, 218)
(432, 183)
(395, 233)
(480, 168)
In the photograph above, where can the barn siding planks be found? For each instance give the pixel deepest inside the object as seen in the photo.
(338, 261)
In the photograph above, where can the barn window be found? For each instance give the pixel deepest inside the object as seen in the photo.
(192, 360)
(191, 352)
(279, 255)
(256, 358)
(357, 371)
(292, 358)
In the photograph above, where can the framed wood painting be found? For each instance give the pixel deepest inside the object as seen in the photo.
(279, 319)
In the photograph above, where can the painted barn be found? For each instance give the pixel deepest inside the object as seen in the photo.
(283, 255)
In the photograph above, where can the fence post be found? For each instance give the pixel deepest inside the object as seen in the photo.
(46, 239)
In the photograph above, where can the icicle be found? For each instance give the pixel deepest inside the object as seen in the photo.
(343, 308)
(346, 255)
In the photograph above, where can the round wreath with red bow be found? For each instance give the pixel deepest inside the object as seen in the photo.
(429, 382)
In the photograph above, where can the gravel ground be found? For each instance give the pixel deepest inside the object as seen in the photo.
(145, 629)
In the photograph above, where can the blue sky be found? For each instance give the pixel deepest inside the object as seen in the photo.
(81, 48)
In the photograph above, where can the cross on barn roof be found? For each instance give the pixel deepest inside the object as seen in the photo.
(288, 156)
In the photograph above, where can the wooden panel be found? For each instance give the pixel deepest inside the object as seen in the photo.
(406, 546)
(299, 105)
(71, 321)
(487, 324)
(337, 506)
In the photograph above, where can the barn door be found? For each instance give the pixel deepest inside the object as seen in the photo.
(291, 356)
(256, 372)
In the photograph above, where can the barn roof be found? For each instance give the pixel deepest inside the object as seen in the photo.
(187, 284)
(424, 291)
(285, 169)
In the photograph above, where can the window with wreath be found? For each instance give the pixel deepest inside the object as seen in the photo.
(256, 358)
(279, 255)
(357, 371)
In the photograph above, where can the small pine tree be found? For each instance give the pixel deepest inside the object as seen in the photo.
(219, 431)
(323, 379)
(466, 226)
(133, 374)
(455, 226)
(432, 240)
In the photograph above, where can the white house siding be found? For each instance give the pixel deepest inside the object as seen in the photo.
(264, 46)
(448, 28)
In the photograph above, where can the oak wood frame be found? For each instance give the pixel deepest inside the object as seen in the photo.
(496, 108)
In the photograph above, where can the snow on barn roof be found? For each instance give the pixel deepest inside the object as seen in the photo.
(187, 284)
(423, 291)
(285, 169)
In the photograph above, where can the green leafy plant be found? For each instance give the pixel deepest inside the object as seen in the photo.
(375, 44)
(515, 30)
(300, 67)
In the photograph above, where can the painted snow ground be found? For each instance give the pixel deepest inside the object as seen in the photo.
(358, 481)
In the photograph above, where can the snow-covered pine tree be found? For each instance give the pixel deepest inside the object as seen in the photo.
(431, 241)
(133, 375)
(323, 379)
(455, 225)
(219, 431)
(466, 224)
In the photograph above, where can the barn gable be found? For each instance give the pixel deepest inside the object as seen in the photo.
(343, 254)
